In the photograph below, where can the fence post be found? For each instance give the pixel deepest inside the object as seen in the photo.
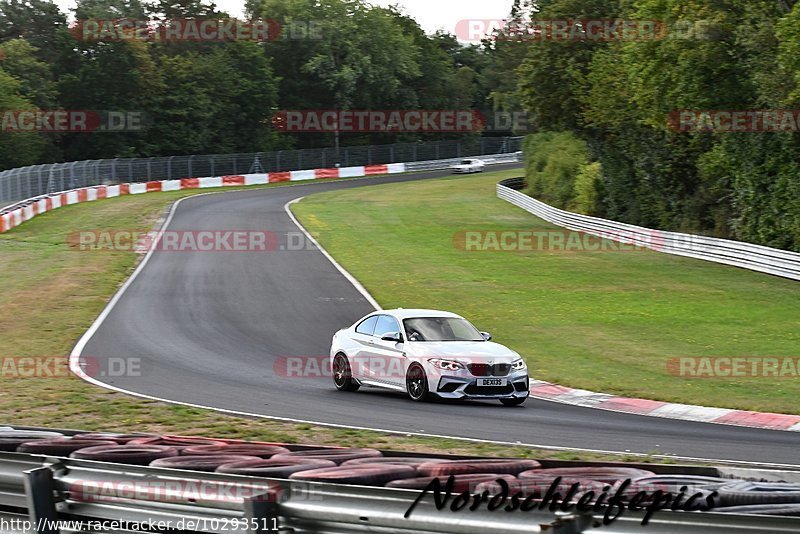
(169, 167)
(190, 166)
(84, 182)
(40, 497)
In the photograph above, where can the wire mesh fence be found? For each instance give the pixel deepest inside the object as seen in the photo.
(27, 182)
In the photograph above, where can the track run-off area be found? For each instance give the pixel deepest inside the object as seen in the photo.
(210, 330)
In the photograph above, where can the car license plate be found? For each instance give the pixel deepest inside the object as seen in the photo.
(487, 382)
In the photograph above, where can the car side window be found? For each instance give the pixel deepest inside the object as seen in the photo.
(367, 326)
(386, 325)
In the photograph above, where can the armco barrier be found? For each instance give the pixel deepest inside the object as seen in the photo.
(15, 214)
(736, 253)
(39, 488)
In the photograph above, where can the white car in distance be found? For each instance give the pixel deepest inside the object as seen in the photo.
(426, 354)
(467, 166)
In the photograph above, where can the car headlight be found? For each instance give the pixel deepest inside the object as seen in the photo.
(446, 365)
(518, 365)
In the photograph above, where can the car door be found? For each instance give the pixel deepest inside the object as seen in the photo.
(388, 363)
(364, 342)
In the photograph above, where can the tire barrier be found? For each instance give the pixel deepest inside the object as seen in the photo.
(274, 467)
(743, 493)
(605, 475)
(335, 455)
(11, 439)
(462, 483)
(200, 463)
(61, 446)
(126, 454)
(393, 460)
(785, 510)
(243, 449)
(369, 467)
(122, 439)
(179, 442)
(673, 483)
(362, 475)
(539, 487)
(464, 467)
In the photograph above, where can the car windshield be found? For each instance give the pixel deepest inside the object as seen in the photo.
(467, 162)
(440, 329)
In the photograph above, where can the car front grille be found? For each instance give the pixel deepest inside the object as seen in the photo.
(484, 369)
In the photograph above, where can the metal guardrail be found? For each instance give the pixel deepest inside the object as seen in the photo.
(35, 180)
(759, 258)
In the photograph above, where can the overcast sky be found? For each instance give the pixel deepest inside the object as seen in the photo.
(431, 14)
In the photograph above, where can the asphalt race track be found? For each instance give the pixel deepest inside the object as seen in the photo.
(209, 327)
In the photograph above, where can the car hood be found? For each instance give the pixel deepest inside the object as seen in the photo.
(467, 350)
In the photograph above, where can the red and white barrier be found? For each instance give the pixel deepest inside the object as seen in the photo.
(89, 194)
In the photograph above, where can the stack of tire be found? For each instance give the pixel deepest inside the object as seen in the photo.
(369, 467)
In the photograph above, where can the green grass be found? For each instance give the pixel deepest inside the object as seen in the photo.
(50, 295)
(605, 321)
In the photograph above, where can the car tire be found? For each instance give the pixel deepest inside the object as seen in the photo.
(417, 383)
(208, 463)
(361, 475)
(61, 446)
(516, 401)
(126, 454)
(274, 468)
(343, 374)
(335, 455)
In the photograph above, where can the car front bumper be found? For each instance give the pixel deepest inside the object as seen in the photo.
(466, 387)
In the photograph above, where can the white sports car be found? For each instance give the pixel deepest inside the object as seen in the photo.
(427, 353)
(468, 166)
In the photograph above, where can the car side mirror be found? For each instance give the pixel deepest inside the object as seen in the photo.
(487, 336)
(393, 336)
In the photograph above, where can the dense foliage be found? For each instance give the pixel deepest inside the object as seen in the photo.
(616, 96)
(221, 97)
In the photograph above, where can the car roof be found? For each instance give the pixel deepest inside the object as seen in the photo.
(401, 313)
